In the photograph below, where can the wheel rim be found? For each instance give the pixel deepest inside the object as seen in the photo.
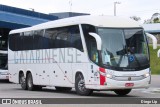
(81, 85)
(22, 80)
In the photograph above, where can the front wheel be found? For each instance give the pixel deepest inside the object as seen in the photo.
(122, 92)
(80, 86)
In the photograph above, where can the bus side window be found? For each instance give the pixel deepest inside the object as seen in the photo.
(75, 38)
(28, 41)
(13, 42)
(90, 42)
(38, 39)
(62, 37)
(50, 37)
(16, 42)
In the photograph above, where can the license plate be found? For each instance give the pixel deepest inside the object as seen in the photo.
(129, 84)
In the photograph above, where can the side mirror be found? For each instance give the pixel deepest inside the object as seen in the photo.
(154, 40)
(98, 40)
(158, 53)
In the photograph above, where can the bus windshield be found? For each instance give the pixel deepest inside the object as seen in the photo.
(124, 48)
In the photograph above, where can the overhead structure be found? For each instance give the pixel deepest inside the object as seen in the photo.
(13, 18)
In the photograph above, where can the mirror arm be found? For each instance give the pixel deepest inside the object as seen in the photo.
(98, 40)
(158, 53)
(154, 40)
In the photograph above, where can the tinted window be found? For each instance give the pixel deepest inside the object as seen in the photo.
(3, 61)
(12, 42)
(15, 42)
(90, 42)
(75, 41)
(38, 39)
(57, 38)
(46, 39)
(27, 41)
(63, 37)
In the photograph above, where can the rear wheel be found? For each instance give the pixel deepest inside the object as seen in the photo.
(30, 85)
(122, 92)
(80, 86)
(22, 81)
(63, 88)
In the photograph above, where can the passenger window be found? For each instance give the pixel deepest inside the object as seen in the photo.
(27, 41)
(76, 40)
(38, 39)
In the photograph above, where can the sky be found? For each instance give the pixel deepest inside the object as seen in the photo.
(127, 8)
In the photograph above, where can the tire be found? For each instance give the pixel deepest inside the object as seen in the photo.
(30, 85)
(63, 88)
(22, 81)
(80, 86)
(122, 92)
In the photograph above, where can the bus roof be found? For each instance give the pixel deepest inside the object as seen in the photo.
(101, 21)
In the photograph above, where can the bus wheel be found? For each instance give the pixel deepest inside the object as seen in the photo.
(22, 81)
(63, 88)
(30, 85)
(122, 92)
(80, 86)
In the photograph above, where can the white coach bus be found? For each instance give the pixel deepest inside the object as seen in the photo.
(86, 53)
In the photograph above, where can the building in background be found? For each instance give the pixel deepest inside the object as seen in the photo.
(14, 18)
(153, 28)
(68, 14)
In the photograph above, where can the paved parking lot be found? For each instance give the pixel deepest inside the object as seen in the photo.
(10, 90)
(14, 90)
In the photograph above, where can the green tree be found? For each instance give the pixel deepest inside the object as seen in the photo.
(156, 20)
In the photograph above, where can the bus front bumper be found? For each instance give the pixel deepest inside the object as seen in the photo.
(111, 84)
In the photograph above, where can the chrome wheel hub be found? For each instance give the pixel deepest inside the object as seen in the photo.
(81, 85)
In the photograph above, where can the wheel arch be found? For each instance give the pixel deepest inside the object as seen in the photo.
(28, 71)
(77, 73)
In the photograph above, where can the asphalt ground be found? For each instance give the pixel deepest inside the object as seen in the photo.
(10, 90)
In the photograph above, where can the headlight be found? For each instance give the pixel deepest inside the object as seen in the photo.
(109, 76)
(102, 72)
(146, 75)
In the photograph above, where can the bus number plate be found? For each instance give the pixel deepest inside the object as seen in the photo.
(129, 84)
